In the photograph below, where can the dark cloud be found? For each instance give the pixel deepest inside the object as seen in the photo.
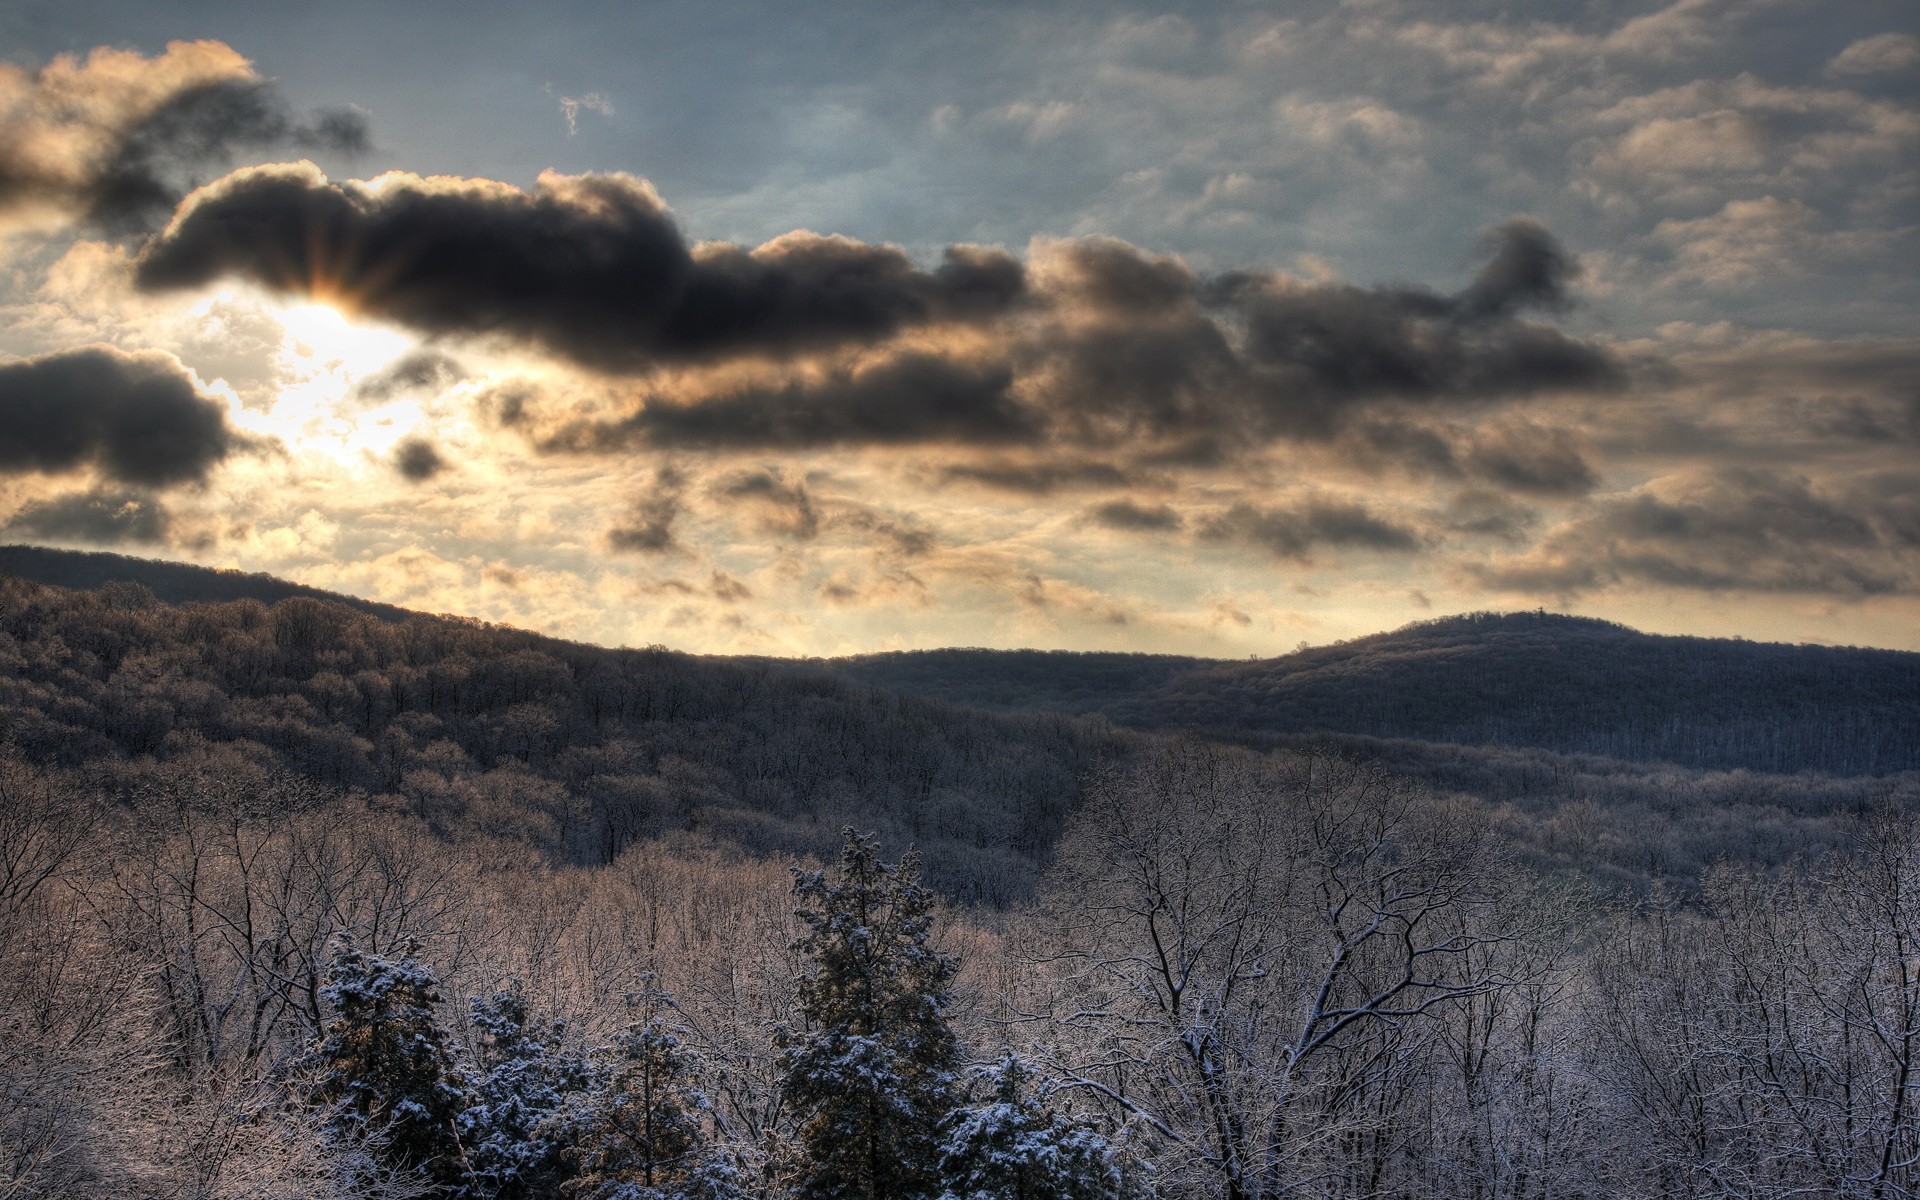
(592, 268)
(728, 590)
(648, 527)
(902, 400)
(418, 371)
(1314, 351)
(100, 518)
(206, 126)
(1480, 512)
(1526, 268)
(1295, 532)
(1038, 478)
(418, 460)
(1124, 353)
(895, 536)
(787, 508)
(1125, 514)
(138, 418)
(115, 140)
(1530, 460)
(1516, 456)
(1391, 441)
(1740, 530)
(510, 402)
(1098, 345)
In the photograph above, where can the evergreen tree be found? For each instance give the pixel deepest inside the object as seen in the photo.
(644, 1137)
(514, 1128)
(385, 1066)
(872, 1076)
(1012, 1148)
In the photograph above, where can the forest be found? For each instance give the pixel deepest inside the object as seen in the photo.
(304, 900)
(1525, 679)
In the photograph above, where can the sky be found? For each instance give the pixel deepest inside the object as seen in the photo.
(819, 329)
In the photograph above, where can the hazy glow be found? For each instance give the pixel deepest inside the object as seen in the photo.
(321, 356)
(321, 337)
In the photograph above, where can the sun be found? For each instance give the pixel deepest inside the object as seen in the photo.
(324, 341)
(317, 406)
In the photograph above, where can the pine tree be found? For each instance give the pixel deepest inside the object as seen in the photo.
(644, 1136)
(872, 1076)
(385, 1067)
(1012, 1148)
(514, 1127)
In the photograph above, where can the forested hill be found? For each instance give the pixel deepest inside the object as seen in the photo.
(175, 583)
(573, 750)
(1525, 680)
(1568, 684)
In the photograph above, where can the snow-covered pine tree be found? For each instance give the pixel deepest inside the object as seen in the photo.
(1013, 1148)
(643, 1136)
(872, 1075)
(385, 1067)
(514, 1128)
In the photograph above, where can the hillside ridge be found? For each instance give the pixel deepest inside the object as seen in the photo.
(1524, 679)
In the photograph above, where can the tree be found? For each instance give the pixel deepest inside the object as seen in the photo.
(514, 1128)
(385, 1066)
(1012, 1148)
(872, 1075)
(1253, 956)
(644, 1136)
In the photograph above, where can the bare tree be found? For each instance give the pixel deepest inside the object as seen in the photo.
(1254, 953)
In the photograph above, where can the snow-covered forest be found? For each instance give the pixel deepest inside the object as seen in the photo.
(303, 902)
(1242, 977)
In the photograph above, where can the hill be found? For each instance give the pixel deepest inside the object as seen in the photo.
(575, 751)
(578, 752)
(1536, 680)
(173, 582)
(1567, 684)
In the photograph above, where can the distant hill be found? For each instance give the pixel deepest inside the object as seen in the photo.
(1569, 684)
(1529, 680)
(173, 582)
(1068, 681)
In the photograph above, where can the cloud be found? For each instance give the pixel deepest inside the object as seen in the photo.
(1125, 514)
(1531, 460)
(1315, 349)
(726, 589)
(898, 400)
(418, 460)
(1765, 241)
(137, 418)
(1525, 268)
(1480, 512)
(1514, 455)
(572, 106)
(100, 517)
(1295, 531)
(592, 268)
(1133, 356)
(1677, 143)
(1881, 54)
(648, 528)
(417, 371)
(1038, 478)
(830, 341)
(787, 508)
(1732, 529)
(114, 139)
